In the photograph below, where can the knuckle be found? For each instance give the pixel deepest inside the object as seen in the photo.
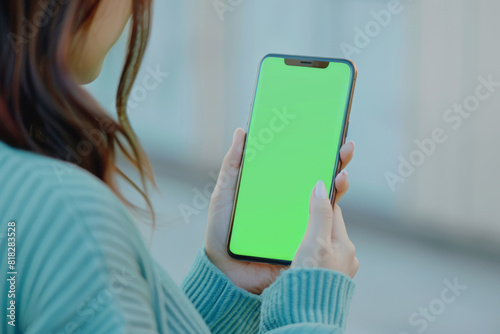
(234, 164)
(355, 268)
(351, 249)
(323, 210)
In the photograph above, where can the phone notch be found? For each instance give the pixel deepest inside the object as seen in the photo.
(306, 63)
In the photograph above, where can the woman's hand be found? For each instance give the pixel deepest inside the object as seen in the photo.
(251, 276)
(325, 243)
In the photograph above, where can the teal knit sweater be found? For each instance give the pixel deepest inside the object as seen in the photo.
(81, 266)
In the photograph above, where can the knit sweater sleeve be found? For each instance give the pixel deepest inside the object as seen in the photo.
(311, 300)
(225, 307)
(299, 301)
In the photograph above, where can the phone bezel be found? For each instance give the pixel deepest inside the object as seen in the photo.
(343, 135)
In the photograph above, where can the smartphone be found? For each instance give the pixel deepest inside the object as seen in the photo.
(298, 122)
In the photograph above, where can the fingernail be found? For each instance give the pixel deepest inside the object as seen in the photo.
(352, 142)
(342, 174)
(320, 190)
(234, 135)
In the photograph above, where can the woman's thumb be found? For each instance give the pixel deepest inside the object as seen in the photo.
(320, 213)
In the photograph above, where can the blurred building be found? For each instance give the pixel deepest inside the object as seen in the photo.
(424, 182)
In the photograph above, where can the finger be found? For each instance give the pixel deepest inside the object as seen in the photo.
(341, 185)
(346, 154)
(338, 231)
(355, 267)
(320, 213)
(228, 175)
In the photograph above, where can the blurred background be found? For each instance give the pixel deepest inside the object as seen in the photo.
(422, 213)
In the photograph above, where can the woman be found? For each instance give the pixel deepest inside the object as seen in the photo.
(75, 260)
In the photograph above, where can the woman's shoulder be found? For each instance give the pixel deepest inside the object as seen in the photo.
(51, 199)
(29, 181)
(74, 240)
(79, 258)
(21, 170)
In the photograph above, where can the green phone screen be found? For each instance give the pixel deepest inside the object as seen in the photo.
(293, 140)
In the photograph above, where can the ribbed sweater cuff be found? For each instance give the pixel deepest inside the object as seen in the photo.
(224, 306)
(309, 295)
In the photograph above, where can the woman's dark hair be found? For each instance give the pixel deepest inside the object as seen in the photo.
(44, 110)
